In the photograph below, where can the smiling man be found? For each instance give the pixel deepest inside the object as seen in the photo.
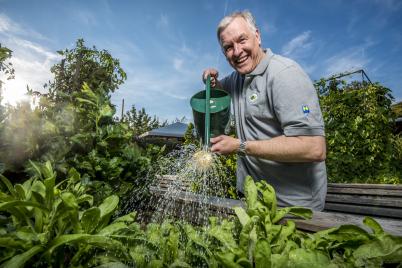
(278, 118)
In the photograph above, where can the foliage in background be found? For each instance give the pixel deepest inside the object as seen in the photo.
(72, 125)
(140, 122)
(359, 132)
(397, 109)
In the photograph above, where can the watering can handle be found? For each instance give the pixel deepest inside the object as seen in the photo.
(207, 111)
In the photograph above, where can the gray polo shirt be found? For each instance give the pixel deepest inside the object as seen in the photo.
(278, 98)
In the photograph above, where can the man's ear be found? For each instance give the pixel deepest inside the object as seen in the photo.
(257, 35)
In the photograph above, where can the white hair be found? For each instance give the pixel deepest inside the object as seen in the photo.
(246, 15)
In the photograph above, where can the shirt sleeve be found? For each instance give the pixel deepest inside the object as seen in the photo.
(296, 103)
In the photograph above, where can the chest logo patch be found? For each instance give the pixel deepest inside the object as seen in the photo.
(306, 109)
(253, 98)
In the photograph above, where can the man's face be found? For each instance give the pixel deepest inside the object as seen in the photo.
(241, 46)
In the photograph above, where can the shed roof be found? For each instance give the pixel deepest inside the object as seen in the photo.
(176, 130)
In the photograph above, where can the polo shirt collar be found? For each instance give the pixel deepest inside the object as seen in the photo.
(262, 66)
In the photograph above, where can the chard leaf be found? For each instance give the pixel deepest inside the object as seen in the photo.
(127, 218)
(69, 200)
(20, 259)
(225, 237)
(374, 225)
(385, 246)
(113, 228)
(12, 204)
(244, 262)
(242, 215)
(250, 192)
(9, 186)
(109, 205)
(20, 191)
(304, 213)
(305, 258)
(12, 242)
(268, 196)
(180, 264)
(262, 254)
(86, 198)
(100, 241)
(39, 188)
(90, 219)
(228, 260)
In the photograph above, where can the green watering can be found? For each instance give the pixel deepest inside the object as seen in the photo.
(210, 120)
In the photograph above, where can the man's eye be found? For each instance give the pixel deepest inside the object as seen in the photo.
(228, 49)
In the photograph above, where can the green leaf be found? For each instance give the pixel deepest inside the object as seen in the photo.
(262, 254)
(127, 218)
(305, 258)
(9, 186)
(90, 219)
(109, 205)
(94, 240)
(69, 200)
(113, 228)
(241, 215)
(86, 198)
(21, 259)
(250, 192)
(384, 246)
(12, 204)
(374, 225)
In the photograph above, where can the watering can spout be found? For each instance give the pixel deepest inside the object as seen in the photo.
(211, 112)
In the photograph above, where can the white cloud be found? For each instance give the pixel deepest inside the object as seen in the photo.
(349, 60)
(178, 64)
(391, 5)
(298, 44)
(163, 21)
(269, 28)
(30, 60)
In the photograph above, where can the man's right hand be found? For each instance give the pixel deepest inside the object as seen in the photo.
(214, 76)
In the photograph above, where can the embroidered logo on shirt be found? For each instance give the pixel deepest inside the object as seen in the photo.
(253, 98)
(306, 109)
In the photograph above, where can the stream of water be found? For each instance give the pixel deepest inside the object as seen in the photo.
(186, 185)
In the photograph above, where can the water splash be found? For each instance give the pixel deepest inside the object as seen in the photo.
(187, 186)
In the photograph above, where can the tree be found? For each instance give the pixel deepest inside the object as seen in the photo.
(358, 120)
(189, 137)
(140, 122)
(80, 65)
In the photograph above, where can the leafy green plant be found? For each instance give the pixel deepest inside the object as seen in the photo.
(44, 222)
(358, 123)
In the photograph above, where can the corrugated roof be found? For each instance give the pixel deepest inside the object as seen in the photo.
(176, 130)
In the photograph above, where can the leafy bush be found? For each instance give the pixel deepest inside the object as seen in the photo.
(49, 224)
(358, 123)
(44, 224)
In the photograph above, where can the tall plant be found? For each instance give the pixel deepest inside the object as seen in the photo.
(358, 123)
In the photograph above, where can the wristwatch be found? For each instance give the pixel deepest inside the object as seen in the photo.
(242, 148)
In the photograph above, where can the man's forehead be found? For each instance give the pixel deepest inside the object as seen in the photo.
(235, 29)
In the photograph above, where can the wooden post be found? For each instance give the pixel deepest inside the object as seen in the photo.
(122, 110)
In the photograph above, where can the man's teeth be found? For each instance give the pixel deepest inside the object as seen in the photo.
(241, 60)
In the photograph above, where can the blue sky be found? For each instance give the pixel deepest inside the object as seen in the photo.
(164, 45)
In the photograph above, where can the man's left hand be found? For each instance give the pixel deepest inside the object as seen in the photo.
(224, 144)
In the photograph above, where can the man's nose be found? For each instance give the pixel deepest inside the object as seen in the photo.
(236, 50)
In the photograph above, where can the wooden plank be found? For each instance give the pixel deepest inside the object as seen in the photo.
(325, 220)
(397, 187)
(364, 191)
(385, 201)
(320, 220)
(364, 210)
